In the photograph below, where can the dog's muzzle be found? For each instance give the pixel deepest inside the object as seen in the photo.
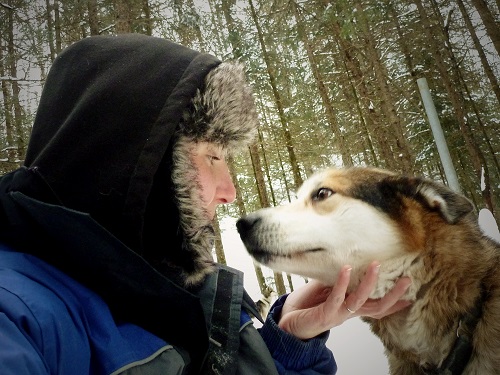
(247, 227)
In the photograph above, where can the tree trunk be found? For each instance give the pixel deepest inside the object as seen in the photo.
(364, 137)
(395, 135)
(369, 115)
(259, 176)
(50, 30)
(123, 17)
(234, 176)
(280, 283)
(458, 104)
(16, 105)
(266, 169)
(57, 26)
(290, 282)
(7, 109)
(188, 30)
(479, 48)
(261, 280)
(147, 15)
(323, 92)
(13, 107)
(278, 101)
(492, 79)
(93, 18)
(219, 250)
(489, 22)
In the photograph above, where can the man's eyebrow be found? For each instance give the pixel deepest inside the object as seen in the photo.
(217, 149)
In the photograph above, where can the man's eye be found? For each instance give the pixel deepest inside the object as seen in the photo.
(213, 158)
(322, 194)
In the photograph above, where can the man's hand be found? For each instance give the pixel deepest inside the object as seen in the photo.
(316, 308)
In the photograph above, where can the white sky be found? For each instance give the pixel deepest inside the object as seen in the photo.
(356, 350)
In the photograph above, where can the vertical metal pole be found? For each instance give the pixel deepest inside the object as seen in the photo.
(437, 131)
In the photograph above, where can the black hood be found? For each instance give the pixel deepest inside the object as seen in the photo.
(115, 111)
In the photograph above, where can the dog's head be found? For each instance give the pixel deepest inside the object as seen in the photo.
(349, 216)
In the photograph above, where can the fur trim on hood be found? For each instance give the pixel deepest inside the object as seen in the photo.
(223, 112)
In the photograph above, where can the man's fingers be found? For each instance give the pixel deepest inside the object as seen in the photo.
(337, 296)
(309, 295)
(358, 298)
(390, 303)
(316, 308)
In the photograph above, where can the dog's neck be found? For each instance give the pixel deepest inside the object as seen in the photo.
(461, 351)
(391, 270)
(459, 338)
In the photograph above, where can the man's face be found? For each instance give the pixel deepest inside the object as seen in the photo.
(213, 176)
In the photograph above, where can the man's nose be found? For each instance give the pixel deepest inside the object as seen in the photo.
(227, 191)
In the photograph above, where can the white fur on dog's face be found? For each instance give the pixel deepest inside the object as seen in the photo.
(320, 232)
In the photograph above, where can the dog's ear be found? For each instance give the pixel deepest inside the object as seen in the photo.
(385, 192)
(435, 196)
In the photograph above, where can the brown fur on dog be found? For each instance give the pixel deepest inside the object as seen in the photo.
(415, 227)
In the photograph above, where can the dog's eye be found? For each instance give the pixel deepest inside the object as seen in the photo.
(322, 194)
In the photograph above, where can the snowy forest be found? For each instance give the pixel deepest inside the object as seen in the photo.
(335, 82)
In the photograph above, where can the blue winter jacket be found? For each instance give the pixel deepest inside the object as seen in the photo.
(51, 324)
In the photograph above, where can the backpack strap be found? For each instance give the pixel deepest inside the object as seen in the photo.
(222, 297)
(251, 308)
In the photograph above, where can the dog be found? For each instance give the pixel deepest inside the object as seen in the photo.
(415, 227)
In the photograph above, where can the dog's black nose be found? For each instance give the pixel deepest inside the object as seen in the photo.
(245, 224)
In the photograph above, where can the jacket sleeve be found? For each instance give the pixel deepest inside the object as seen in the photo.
(294, 356)
(17, 354)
